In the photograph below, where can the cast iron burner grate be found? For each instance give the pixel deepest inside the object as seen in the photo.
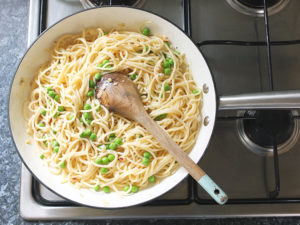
(100, 3)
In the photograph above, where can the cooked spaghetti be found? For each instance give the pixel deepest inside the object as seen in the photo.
(92, 147)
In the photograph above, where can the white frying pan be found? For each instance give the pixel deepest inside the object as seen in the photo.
(107, 18)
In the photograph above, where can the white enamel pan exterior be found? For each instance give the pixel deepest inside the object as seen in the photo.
(107, 18)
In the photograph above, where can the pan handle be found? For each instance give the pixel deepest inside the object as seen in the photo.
(263, 100)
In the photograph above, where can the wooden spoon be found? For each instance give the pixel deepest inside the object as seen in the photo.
(120, 95)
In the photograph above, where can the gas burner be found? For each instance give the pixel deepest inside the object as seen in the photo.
(256, 7)
(258, 134)
(99, 3)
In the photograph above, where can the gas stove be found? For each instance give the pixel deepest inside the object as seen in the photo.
(253, 154)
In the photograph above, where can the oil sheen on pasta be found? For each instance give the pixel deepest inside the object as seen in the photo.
(173, 100)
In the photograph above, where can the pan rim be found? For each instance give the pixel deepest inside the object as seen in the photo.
(48, 29)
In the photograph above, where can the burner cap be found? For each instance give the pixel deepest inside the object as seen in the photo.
(97, 3)
(258, 134)
(269, 123)
(256, 7)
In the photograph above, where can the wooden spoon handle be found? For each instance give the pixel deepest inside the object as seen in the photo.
(183, 159)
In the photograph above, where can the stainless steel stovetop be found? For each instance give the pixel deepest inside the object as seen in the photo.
(238, 67)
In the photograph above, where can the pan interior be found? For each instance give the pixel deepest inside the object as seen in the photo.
(123, 19)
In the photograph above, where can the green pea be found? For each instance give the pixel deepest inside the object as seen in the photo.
(151, 179)
(146, 31)
(195, 91)
(56, 98)
(133, 76)
(167, 64)
(118, 141)
(54, 143)
(167, 71)
(160, 117)
(55, 115)
(103, 63)
(43, 112)
(98, 76)
(82, 135)
(113, 146)
(147, 48)
(103, 170)
(108, 66)
(105, 160)
(126, 188)
(71, 117)
(107, 146)
(98, 108)
(167, 87)
(96, 188)
(42, 156)
(98, 161)
(92, 84)
(106, 189)
(62, 165)
(112, 135)
(87, 107)
(105, 33)
(56, 149)
(51, 94)
(134, 189)
(89, 121)
(90, 93)
(41, 124)
(147, 155)
(145, 161)
(54, 132)
(88, 132)
(111, 138)
(171, 61)
(49, 89)
(111, 157)
(60, 108)
(81, 120)
(87, 115)
(93, 137)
